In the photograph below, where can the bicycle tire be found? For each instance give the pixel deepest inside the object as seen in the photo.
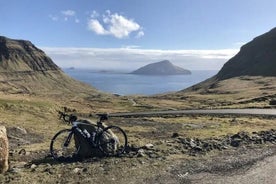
(112, 145)
(63, 146)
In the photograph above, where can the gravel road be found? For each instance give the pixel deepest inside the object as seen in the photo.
(263, 171)
(256, 112)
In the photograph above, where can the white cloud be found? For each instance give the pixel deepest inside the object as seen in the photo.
(94, 14)
(65, 15)
(95, 25)
(130, 46)
(130, 59)
(54, 18)
(114, 24)
(140, 34)
(69, 13)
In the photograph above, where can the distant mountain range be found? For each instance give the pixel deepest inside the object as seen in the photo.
(161, 68)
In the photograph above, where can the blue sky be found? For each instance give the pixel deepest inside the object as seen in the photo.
(196, 34)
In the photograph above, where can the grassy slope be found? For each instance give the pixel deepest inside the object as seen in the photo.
(37, 113)
(239, 92)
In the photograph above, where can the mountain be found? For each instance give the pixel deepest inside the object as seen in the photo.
(23, 56)
(26, 69)
(249, 74)
(161, 68)
(256, 58)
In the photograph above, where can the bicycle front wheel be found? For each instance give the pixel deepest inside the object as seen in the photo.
(63, 146)
(112, 141)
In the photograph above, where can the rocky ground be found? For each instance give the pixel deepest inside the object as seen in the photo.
(172, 159)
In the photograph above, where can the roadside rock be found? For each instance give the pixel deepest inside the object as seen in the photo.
(4, 150)
(20, 136)
(148, 146)
(33, 166)
(194, 146)
(272, 102)
(174, 135)
(141, 153)
(77, 170)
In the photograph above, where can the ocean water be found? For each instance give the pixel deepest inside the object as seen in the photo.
(129, 84)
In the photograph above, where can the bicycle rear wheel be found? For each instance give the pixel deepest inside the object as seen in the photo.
(112, 141)
(63, 146)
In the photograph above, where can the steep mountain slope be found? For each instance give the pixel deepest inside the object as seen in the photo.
(23, 56)
(161, 68)
(26, 69)
(256, 58)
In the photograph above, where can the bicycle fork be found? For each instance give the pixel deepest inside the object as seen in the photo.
(68, 139)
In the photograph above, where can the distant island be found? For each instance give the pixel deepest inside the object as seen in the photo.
(164, 67)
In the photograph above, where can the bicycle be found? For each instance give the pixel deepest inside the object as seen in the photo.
(63, 145)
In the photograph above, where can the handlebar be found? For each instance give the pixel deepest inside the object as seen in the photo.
(68, 118)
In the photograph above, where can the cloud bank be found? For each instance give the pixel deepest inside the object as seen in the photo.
(131, 59)
(113, 24)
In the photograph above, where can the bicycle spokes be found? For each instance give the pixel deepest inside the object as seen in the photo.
(63, 145)
(112, 141)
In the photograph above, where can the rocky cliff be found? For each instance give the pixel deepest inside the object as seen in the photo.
(256, 58)
(161, 68)
(251, 72)
(23, 56)
(24, 68)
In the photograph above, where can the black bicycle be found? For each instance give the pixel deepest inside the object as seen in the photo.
(111, 140)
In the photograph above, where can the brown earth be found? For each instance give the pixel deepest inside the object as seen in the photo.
(157, 153)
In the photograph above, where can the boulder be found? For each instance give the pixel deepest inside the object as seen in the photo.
(272, 102)
(4, 150)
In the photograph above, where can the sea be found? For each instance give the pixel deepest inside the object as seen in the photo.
(122, 83)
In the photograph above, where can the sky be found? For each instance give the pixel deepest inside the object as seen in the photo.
(126, 34)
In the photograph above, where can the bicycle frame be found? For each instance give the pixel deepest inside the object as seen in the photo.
(97, 136)
(75, 129)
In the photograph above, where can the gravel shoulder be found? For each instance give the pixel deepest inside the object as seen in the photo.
(242, 165)
(263, 171)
